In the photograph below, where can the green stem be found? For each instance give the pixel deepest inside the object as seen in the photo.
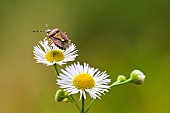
(83, 104)
(88, 107)
(75, 103)
(114, 84)
(120, 83)
(55, 66)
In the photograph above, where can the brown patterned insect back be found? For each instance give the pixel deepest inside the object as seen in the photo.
(56, 36)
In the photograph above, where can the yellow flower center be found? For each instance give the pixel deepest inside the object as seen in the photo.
(55, 55)
(83, 81)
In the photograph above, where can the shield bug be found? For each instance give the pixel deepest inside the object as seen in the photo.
(56, 36)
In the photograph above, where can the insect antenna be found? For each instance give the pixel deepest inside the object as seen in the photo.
(47, 30)
(38, 31)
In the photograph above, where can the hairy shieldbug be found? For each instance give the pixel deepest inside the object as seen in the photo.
(56, 36)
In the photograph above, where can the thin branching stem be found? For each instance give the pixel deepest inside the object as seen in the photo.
(83, 104)
(88, 107)
(75, 103)
(120, 83)
(113, 84)
(55, 66)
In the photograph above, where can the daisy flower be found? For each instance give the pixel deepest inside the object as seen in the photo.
(50, 55)
(83, 79)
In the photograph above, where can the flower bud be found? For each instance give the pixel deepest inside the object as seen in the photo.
(61, 95)
(137, 77)
(121, 78)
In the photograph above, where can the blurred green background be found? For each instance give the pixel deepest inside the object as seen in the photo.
(113, 35)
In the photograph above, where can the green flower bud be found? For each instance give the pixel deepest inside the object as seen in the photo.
(66, 100)
(60, 95)
(137, 77)
(121, 78)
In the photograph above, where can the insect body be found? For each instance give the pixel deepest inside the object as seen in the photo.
(57, 37)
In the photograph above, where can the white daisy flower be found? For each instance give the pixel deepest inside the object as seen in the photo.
(50, 55)
(84, 79)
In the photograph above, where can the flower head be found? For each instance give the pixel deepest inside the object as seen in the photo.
(50, 55)
(84, 79)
